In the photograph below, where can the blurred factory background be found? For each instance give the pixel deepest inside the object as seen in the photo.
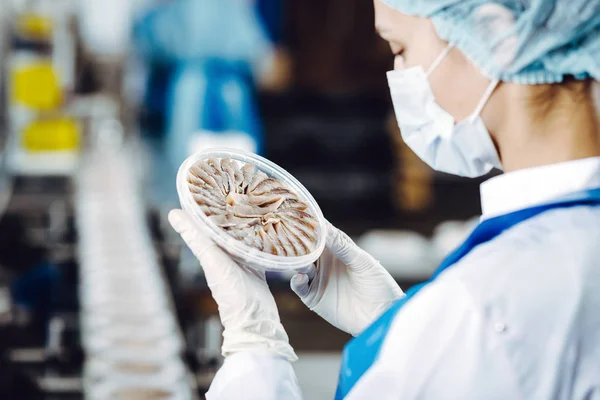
(101, 102)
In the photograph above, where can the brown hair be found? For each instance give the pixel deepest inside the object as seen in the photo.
(545, 99)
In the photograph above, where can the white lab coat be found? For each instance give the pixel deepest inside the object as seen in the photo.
(517, 318)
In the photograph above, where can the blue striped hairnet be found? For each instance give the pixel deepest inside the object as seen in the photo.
(523, 41)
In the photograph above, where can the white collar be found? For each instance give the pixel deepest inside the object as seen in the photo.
(528, 187)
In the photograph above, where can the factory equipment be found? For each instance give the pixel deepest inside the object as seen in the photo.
(43, 137)
(73, 224)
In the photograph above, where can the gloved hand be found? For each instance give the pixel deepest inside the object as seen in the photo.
(350, 289)
(247, 309)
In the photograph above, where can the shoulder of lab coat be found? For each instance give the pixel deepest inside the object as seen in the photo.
(435, 350)
(507, 322)
(255, 375)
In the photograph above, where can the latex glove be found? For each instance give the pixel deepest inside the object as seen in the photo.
(247, 309)
(350, 289)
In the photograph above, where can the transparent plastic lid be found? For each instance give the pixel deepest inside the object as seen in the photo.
(241, 252)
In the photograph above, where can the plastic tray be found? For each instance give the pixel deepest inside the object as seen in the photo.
(114, 387)
(239, 251)
(165, 373)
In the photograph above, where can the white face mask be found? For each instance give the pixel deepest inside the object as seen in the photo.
(464, 149)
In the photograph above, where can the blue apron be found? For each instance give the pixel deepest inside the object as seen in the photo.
(361, 352)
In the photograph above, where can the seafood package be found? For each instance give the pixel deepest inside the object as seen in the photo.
(252, 208)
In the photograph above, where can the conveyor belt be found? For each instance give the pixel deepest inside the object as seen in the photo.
(129, 330)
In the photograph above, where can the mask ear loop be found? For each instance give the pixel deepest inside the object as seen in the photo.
(439, 58)
(486, 96)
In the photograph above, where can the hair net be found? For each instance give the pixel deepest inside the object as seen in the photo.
(524, 41)
(199, 29)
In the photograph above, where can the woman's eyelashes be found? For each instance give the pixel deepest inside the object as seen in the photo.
(395, 47)
(398, 52)
(399, 61)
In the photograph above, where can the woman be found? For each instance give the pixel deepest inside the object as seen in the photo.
(513, 313)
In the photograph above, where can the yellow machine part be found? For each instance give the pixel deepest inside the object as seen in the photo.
(59, 134)
(35, 26)
(36, 86)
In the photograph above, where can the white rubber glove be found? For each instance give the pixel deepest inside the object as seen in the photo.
(247, 309)
(350, 289)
